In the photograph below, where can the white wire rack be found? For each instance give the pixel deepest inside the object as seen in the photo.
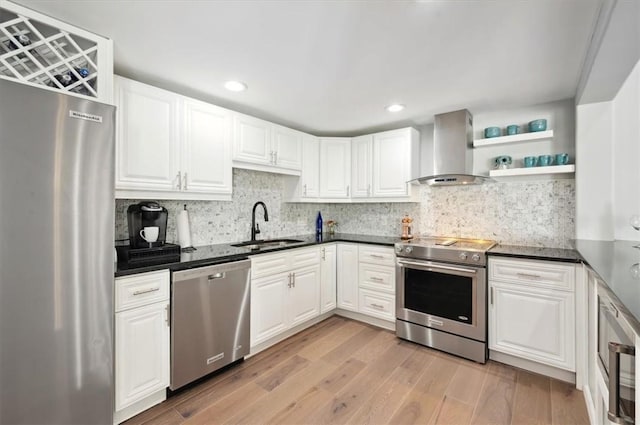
(34, 52)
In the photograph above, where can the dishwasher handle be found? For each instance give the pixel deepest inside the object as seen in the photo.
(215, 272)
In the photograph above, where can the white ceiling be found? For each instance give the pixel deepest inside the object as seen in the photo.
(330, 67)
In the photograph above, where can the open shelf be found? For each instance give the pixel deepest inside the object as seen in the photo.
(530, 171)
(523, 137)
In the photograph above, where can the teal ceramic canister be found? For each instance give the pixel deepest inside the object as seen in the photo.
(562, 159)
(530, 161)
(513, 129)
(545, 160)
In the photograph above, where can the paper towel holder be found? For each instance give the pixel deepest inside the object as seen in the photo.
(184, 230)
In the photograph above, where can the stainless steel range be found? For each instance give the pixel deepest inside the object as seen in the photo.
(441, 294)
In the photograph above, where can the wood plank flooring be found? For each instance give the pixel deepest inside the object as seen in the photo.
(345, 372)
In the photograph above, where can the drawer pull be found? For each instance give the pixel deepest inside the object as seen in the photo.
(378, 306)
(146, 291)
(532, 276)
(376, 279)
(377, 256)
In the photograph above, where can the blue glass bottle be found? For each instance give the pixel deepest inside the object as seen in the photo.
(319, 226)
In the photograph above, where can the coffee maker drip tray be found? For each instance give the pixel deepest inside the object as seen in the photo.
(167, 253)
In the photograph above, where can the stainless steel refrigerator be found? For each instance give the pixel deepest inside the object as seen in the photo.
(56, 257)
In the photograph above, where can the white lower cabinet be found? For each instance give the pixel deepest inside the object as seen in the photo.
(347, 276)
(285, 291)
(141, 342)
(328, 278)
(532, 311)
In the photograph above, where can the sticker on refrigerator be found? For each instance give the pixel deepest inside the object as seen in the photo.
(85, 116)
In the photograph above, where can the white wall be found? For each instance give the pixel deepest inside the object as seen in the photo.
(626, 156)
(560, 118)
(594, 197)
(608, 176)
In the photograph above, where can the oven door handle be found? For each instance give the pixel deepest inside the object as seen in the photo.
(432, 267)
(615, 414)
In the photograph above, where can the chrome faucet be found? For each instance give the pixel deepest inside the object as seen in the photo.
(255, 229)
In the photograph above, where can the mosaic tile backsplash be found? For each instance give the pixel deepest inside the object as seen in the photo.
(535, 213)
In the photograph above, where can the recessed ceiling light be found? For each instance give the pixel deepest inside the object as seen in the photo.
(396, 107)
(235, 86)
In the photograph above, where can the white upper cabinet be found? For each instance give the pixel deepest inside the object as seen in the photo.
(252, 140)
(287, 147)
(169, 146)
(393, 154)
(264, 146)
(335, 167)
(361, 162)
(147, 147)
(310, 177)
(206, 155)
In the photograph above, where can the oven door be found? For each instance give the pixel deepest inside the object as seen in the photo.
(445, 297)
(616, 359)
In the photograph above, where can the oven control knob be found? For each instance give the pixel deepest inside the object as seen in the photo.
(398, 249)
(475, 257)
(463, 255)
(408, 249)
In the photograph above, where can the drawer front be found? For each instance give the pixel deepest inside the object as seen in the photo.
(141, 289)
(379, 278)
(305, 257)
(269, 264)
(377, 304)
(384, 256)
(540, 274)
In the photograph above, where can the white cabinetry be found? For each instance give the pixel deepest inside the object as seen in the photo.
(169, 146)
(141, 342)
(263, 146)
(335, 168)
(377, 282)
(361, 162)
(394, 152)
(285, 291)
(347, 276)
(532, 311)
(328, 277)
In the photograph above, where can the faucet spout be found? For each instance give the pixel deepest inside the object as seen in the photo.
(255, 229)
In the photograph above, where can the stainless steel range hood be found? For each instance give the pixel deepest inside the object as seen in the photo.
(452, 151)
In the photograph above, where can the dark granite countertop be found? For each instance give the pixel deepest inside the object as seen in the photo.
(618, 264)
(536, 253)
(215, 254)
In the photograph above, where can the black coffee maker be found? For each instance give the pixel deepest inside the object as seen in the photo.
(146, 214)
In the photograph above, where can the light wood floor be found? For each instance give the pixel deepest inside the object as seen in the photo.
(345, 372)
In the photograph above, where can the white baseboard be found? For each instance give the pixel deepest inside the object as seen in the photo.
(385, 324)
(542, 369)
(142, 405)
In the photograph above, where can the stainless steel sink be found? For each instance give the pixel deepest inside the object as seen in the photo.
(267, 243)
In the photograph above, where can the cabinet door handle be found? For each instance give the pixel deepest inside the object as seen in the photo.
(491, 293)
(305, 190)
(615, 414)
(368, 190)
(347, 190)
(323, 254)
(378, 306)
(179, 177)
(185, 182)
(275, 157)
(532, 276)
(166, 317)
(290, 281)
(146, 291)
(294, 279)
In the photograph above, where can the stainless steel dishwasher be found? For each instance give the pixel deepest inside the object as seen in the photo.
(209, 319)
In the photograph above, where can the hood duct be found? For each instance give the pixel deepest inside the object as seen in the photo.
(453, 151)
